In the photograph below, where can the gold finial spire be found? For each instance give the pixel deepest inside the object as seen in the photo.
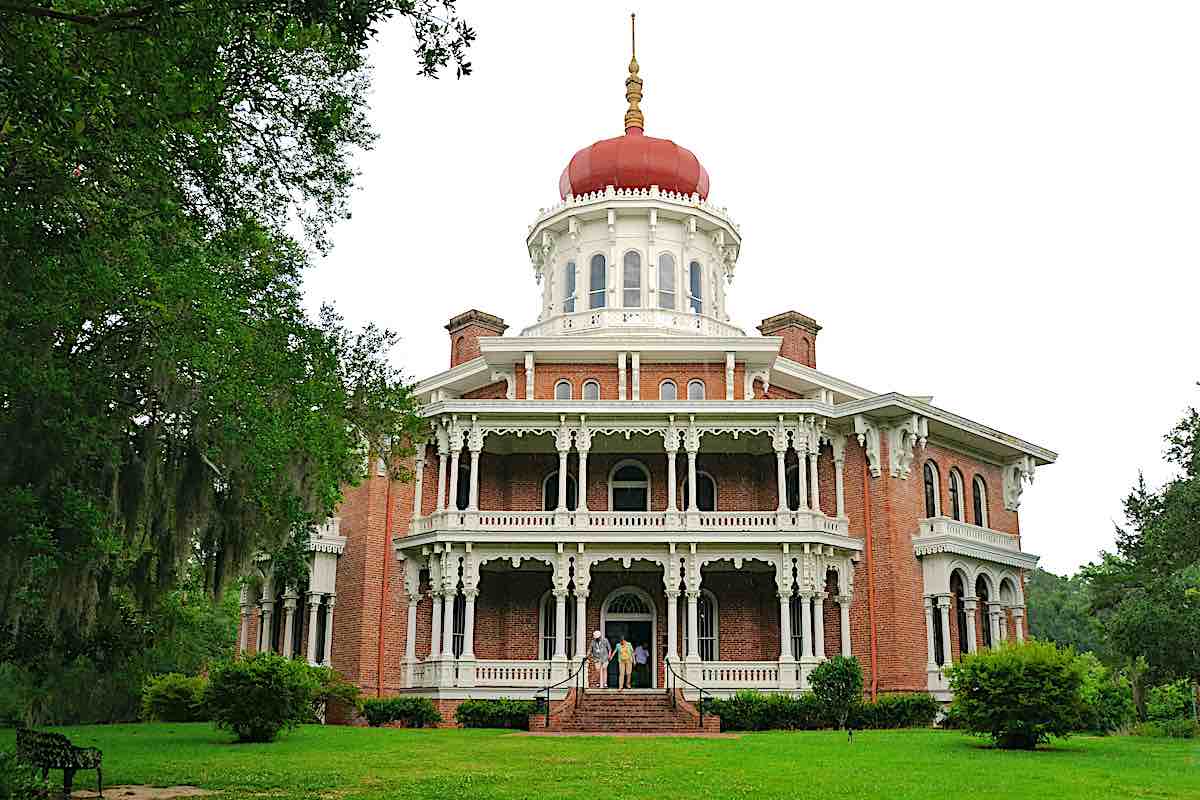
(633, 84)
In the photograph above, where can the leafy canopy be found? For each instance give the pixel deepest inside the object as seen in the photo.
(164, 396)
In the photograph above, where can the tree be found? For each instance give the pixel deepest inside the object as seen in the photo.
(1060, 611)
(1147, 594)
(163, 394)
(837, 684)
(1020, 694)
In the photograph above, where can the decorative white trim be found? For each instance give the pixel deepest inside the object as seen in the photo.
(1015, 474)
(510, 382)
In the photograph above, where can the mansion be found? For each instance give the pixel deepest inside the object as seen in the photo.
(635, 463)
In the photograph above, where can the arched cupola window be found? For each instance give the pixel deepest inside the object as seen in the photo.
(695, 289)
(597, 282)
(632, 273)
(933, 502)
(667, 390)
(695, 390)
(591, 390)
(666, 281)
(562, 390)
(569, 287)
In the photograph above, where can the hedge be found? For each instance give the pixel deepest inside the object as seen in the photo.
(502, 713)
(174, 698)
(413, 712)
(755, 711)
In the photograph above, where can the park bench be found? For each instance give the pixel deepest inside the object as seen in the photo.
(47, 751)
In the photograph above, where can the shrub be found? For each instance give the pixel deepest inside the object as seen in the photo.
(414, 712)
(259, 696)
(1169, 701)
(331, 687)
(1020, 694)
(1173, 728)
(502, 713)
(1107, 697)
(19, 781)
(915, 710)
(174, 698)
(838, 685)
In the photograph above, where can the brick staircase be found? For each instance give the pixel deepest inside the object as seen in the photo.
(631, 711)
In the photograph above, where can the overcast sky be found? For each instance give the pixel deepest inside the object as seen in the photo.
(994, 204)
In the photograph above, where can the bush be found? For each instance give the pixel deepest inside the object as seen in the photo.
(1107, 697)
(331, 687)
(259, 696)
(502, 713)
(174, 698)
(916, 710)
(1169, 701)
(413, 712)
(1020, 694)
(837, 684)
(1173, 728)
(19, 781)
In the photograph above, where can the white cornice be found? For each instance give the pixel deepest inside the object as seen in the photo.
(793, 369)
(455, 376)
(754, 350)
(932, 545)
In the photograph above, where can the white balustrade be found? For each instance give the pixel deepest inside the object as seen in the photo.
(944, 526)
(627, 520)
(619, 320)
(512, 673)
(631, 521)
(739, 519)
(739, 674)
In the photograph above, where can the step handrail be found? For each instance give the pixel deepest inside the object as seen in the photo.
(580, 670)
(671, 673)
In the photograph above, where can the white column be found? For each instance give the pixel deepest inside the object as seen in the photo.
(560, 624)
(814, 478)
(419, 480)
(441, 492)
(635, 389)
(844, 607)
(581, 482)
(672, 624)
(289, 614)
(785, 627)
(730, 357)
(581, 632)
(435, 636)
(692, 507)
(969, 605)
(819, 625)
(621, 379)
(264, 630)
(455, 454)
(931, 660)
(806, 634)
(448, 625)
(469, 596)
(693, 638)
(329, 603)
(1019, 622)
(562, 480)
(314, 607)
(781, 478)
(529, 376)
(802, 477)
(839, 480)
(671, 480)
(244, 634)
(410, 639)
(944, 610)
(994, 619)
(473, 495)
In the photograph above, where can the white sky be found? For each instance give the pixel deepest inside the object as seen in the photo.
(995, 204)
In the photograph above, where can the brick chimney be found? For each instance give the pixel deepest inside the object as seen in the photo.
(799, 336)
(467, 329)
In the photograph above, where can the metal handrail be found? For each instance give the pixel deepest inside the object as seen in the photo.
(580, 670)
(671, 673)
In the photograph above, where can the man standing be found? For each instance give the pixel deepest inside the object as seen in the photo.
(625, 662)
(640, 657)
(601, 653)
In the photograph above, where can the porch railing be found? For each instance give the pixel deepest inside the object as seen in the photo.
(944, 526)
(512, 673)
(739, 674)
(633, 521)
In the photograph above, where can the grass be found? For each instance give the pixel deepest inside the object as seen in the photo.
(342, 763)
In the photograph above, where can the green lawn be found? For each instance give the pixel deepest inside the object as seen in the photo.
(341, 763)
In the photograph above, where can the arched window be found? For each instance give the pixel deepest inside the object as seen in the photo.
(983, 596)
(706, 492)
(695, 278)
(629, 487)
(550, 492)
(979, 501)
(569, 287)
(707, 626)
(591, 390)
(632, 274)
(460, 347)
(667, 390)
(695, 390)
(960, 611)
(462, 497)
(796, 611)
(933, 503)
(548, 627)
(458, 638)
(666, 281)
(805, 350)
(956, 494)
(939, 634)
(562, 390)
(598, 279)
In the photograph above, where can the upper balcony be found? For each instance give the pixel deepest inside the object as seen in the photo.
(621, 321)
(946, 535)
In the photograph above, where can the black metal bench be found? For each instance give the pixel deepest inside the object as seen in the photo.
(47, 751)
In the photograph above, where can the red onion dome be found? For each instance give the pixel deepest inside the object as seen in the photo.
(634, 161)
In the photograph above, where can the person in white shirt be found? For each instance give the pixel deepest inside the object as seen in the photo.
(640, 658)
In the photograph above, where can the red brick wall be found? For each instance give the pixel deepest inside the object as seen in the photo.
(545, 376)
(464, 342)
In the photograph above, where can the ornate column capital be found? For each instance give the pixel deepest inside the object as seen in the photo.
(691, 437)
(475, 435)
(562, 438)
(844, 599)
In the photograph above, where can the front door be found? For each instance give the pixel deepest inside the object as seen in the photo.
(637, 632)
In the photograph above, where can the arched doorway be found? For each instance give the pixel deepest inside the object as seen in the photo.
(628, 611)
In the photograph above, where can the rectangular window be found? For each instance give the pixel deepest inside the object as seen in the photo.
(597, 282)
(695, 299)
(666, 281)
(569, 287)
(633, 280)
